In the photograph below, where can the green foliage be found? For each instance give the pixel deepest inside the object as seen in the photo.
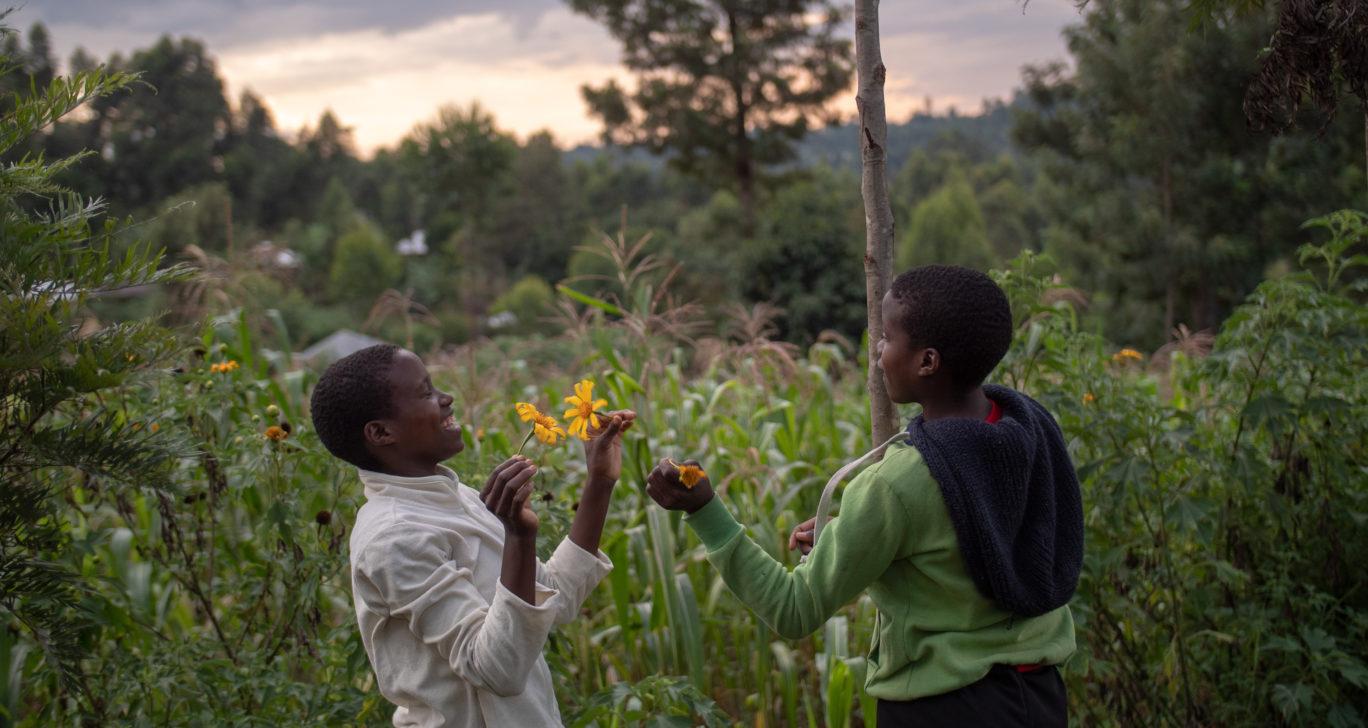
(536, 220)
(530, 300)
(336, 211)
(224, 597)
(164, 142)
(655, 701)
(947, 227)
(710, 246)
(458, 165)
(1226, 501)
(199, 216)
(807, 257)
(1159, 199)
(59, 369)
(363, 266)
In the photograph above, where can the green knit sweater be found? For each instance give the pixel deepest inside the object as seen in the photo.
(935, 631)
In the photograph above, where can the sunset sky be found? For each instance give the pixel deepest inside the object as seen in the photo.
(383, 66)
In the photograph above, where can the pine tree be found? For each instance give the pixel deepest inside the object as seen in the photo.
(58, 367)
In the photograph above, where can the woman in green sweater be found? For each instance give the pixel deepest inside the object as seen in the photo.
(968, 534)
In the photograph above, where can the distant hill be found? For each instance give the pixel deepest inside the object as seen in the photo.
(839, 146)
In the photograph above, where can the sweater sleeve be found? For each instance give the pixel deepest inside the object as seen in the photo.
(852, 552)
(491, 644)
(574, 573)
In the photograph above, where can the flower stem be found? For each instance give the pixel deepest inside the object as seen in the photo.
(525, 440)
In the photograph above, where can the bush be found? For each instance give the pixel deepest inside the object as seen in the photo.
(1225, 503)
(531, 301)
(363, 266)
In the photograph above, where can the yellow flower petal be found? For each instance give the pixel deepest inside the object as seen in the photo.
(526, 411)
(548, 435)
(689, 475)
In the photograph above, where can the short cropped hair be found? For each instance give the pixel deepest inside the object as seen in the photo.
(353, 391)
(959, 312)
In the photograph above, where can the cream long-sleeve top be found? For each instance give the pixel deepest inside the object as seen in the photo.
(449, 644)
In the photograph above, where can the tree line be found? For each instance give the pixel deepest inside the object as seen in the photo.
(1132, 165)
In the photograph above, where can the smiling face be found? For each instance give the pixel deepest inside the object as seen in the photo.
(906, 369)
(421, 430)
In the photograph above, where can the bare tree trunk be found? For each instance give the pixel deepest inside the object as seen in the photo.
(878, 262)
(743, 168)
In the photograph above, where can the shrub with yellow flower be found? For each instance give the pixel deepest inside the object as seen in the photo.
(583, 409)
(276, 433)
(544, 426)
(1127, 354)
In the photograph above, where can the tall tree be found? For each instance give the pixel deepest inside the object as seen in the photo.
(270, 179)
(166, 135)
(458, 163)
(806, 257)
(724, 87)
(535, 222)
(878, 260)
(1162, 201)
(1318, 48)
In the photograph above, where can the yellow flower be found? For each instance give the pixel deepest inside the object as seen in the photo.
(544, 426)
(689, 474)
(1127, 353)
(527, 412)
(223, 367)
(548, 431)
(154, 427)
(479, 433)
(277, 433)
(1088, 398)
(581, 413)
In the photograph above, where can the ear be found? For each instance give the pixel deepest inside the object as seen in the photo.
(928, 362)
(378, 433)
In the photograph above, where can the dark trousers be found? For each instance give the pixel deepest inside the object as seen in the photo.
(1004, 698)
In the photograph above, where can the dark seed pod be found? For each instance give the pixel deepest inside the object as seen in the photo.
(323, 518)
(285, 425)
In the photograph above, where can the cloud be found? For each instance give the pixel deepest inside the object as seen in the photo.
(383, 66)
(382, 83)
(227, 23)
(962, 54)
